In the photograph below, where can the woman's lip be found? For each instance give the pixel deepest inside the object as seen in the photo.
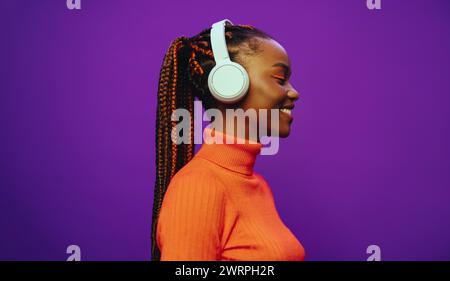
(291, 118)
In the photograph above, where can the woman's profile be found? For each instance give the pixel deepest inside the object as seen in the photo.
(212, 205)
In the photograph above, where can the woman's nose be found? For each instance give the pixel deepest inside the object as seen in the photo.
(293, 94)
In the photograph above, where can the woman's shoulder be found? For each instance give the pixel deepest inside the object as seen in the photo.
(196, 176)
(198, 167)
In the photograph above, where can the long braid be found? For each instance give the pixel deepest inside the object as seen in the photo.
(165, 95)
(183, 76)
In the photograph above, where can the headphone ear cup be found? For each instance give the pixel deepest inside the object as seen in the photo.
(228, 82)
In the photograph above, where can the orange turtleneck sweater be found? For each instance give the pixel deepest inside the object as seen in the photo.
(217, 208)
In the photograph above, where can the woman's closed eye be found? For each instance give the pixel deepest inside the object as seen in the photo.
(281, 80)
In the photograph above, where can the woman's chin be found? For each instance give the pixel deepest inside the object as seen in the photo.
(284, 131)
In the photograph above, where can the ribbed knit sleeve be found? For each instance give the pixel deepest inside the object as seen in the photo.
(191, 220)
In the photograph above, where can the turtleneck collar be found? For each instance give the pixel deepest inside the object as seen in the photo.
(233, 156)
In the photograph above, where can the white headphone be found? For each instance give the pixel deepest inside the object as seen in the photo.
(228, 81)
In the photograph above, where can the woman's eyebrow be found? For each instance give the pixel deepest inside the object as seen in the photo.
(286, 68)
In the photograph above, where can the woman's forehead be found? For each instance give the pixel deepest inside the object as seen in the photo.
(271, 52)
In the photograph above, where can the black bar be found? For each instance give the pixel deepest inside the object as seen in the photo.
(225, 270)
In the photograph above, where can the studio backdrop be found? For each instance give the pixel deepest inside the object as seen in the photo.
(366, 169)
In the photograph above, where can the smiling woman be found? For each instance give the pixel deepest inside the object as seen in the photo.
(213, 205)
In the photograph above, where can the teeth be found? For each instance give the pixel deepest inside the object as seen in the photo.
(285, 110)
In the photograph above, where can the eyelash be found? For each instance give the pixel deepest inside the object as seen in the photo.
(281, 81)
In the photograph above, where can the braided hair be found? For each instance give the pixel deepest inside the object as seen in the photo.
(184, 77)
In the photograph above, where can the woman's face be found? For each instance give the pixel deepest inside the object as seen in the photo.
(269, 70)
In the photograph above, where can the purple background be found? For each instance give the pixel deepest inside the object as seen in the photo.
(367, 161)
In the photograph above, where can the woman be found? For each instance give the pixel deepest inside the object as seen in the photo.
(212, 205)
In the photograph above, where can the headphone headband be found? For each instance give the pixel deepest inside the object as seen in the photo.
(218, 42)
